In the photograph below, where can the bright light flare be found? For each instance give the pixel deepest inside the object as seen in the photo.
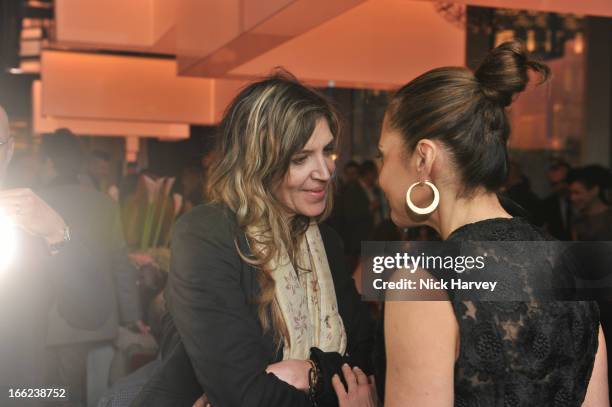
(8, 241)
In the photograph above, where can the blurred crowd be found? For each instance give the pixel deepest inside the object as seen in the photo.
(578, 207)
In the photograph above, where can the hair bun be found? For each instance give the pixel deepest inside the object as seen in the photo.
(504, 72)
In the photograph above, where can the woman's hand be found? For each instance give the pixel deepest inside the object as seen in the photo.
(202, 402)
(142, 259)
(139, 327)
(359, 394)
(29, 212)
(293, 372)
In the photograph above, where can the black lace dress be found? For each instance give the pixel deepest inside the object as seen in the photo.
(535, 353)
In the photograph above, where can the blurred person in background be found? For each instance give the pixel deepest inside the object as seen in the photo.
(129, 182)
(41, 266)
(350, 176)
(350, 173)
(208, 160)
(23, 171)
(593, 222)
(192, 181)
(192, 185)
(555, 211)
(94, 220)
(368, 179)
(359, 209)
(523, 202)
(588, 192)
(99, 174)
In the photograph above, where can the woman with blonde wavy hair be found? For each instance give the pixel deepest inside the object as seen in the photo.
(261, 310)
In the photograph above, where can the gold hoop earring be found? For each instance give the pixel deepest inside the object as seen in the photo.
(432, 206)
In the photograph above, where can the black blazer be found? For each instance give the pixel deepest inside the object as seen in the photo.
(213, 341)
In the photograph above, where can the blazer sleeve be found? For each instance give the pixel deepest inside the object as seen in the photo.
(221, 334)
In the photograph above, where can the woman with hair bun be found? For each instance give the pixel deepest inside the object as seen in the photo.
(444, 158)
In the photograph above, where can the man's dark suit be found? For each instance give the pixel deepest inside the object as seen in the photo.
(94, 221)
(33, 282)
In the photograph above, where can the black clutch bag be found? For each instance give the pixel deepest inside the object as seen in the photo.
(328, 364)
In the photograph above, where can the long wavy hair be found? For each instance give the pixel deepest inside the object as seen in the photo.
(262, 129)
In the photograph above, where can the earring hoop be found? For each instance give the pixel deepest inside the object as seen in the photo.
(432, 206)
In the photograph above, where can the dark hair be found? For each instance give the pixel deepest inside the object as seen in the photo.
(63, 149)
(192, 169)
(557, 165)
(367, 167)
(351, 164)
(592, 176)
(466, 111)
(101, 155)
